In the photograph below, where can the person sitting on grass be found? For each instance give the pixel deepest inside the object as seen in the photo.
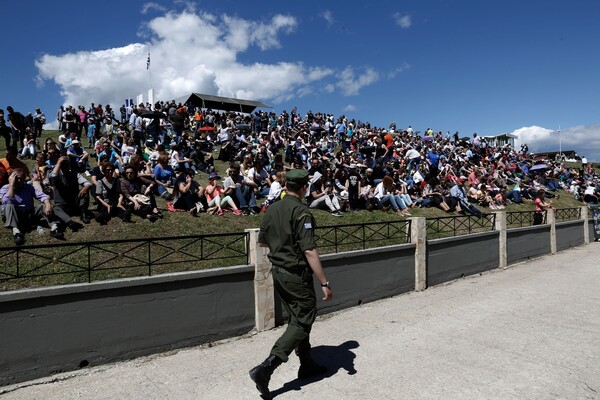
(433, 192)
(143, 167)
(214, 196)
(322, 198)
(276, 189)
(9, 163)
(30, 146)
(178, 159)
(109, 197)
(39, 176)
(164, 176)
(112, 154)
(259, 180)
(188, 194)
(386, 193)
(131, 187)
(79, 157)
(18, 210)
(235, 185)
(71, 192)
(458, 192)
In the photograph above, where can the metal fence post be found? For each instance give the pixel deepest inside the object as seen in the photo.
(551, 220)
(586, 228)
(418, 236)
(264, 293)
(500, 226)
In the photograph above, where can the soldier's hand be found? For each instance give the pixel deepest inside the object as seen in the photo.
(328, 293)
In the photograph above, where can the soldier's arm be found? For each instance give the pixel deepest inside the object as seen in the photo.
(314, 261)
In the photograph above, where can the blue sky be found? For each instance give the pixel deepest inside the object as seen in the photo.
(472, 66)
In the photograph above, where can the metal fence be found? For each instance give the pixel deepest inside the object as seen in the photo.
(519, 219)
(567, 214)
(41, 265)
(459, 225)
(336, 238)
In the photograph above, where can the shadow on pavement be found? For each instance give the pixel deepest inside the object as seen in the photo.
(333, 357)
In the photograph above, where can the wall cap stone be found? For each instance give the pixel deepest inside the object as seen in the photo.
(30, 293)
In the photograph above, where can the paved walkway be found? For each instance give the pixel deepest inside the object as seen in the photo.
(529, 332)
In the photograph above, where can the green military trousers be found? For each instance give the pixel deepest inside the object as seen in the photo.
(300, 301)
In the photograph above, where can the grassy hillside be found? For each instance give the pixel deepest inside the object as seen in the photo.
(175, 224)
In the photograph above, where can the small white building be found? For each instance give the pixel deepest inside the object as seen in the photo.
(502, 139)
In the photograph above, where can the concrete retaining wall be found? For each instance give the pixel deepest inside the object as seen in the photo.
(367, 275)
(569, 234)
(455, 257)
(49, 330)
(524, 243)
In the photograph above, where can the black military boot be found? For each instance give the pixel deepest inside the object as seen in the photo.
(308, 367)
(261, 374)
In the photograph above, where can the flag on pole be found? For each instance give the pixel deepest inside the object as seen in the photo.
(148, 62)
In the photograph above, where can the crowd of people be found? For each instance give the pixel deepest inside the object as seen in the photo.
(125, 161)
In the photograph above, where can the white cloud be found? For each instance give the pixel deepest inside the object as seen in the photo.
(327, 15)
(584, 140)
(350, 84)
(243, 32)
(147, 7)
(403, 67)
(190, 51)
(403, 21)
(350, 108)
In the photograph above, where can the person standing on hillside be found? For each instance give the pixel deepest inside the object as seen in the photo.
(16, 121)
(288, 230)
(39, 119)
(5, 131)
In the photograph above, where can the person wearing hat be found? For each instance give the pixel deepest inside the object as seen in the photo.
(288, 230)
(78, 157)
(322, 197)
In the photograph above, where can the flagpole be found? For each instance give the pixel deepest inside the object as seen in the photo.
(559, 143)
(149, 71)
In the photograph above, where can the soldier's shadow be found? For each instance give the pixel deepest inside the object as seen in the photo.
(334, 358)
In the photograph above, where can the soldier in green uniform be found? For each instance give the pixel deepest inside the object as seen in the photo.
(288, 230)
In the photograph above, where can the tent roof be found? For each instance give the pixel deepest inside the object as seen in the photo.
(223, 103)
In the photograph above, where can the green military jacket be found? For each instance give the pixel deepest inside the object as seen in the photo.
(288, 230)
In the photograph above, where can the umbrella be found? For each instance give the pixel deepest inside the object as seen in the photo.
(207, 128)
(317, 128)
(153, 115)
(538, 167)
(426, 138)
(242, 127)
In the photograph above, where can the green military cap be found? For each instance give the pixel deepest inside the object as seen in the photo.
(297, 177)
